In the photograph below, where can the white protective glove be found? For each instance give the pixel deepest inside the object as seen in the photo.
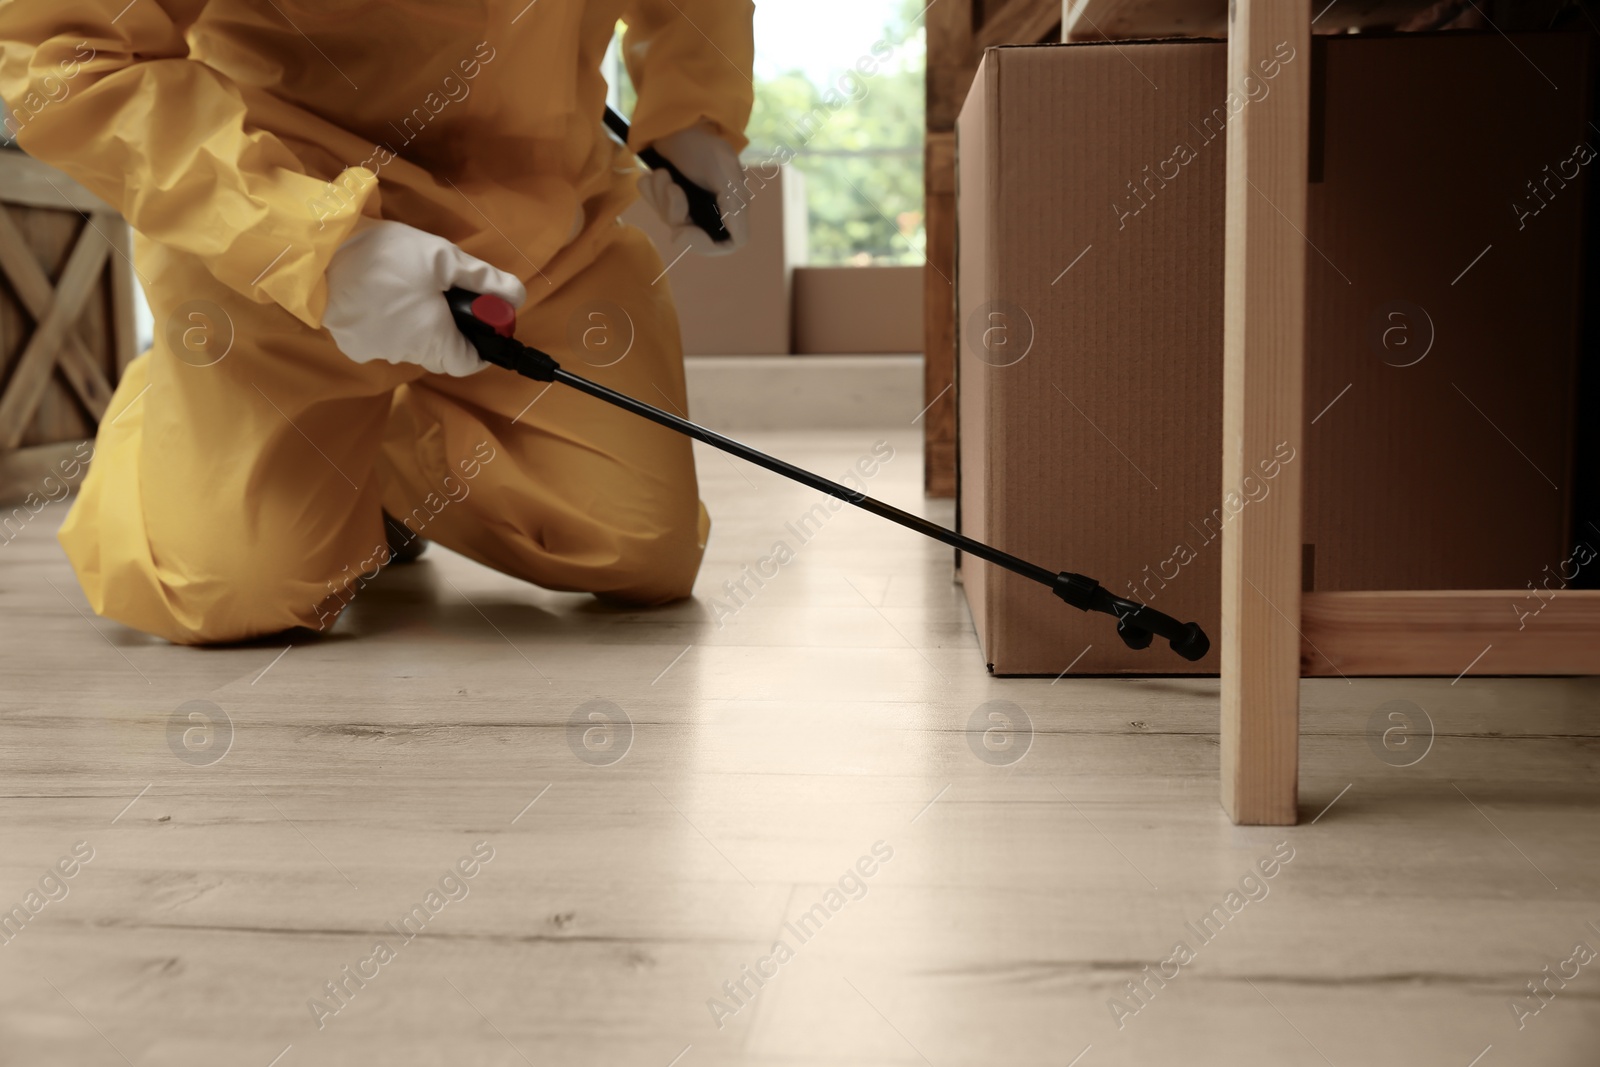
(711, 163)
(386, 289)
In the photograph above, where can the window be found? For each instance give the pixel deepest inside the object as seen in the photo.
(839, 94)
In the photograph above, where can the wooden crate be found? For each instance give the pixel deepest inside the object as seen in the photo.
(957, 33)
(66, 319)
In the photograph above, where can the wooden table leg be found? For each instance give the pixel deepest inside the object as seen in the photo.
(1263, 352)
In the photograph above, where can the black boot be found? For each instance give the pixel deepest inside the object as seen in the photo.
(404, 546)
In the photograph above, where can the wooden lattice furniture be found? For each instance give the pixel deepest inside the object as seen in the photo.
(66, 320)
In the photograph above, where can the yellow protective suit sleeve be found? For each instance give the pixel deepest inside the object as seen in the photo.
(106, 91)
(690, 59)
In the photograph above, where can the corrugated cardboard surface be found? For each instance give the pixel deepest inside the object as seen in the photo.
(975, 242)
(739, 304)
(1087, 451)
(1454, 471)
(1090, 222)
(857, 310)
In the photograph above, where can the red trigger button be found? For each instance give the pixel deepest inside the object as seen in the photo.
(495, 313)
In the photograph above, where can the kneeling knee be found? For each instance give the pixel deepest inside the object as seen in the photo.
(248, 605)
(655, 569)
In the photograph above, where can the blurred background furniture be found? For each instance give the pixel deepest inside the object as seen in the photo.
(959, 30)
(957, 33)
(1273, 630)
(66, 319)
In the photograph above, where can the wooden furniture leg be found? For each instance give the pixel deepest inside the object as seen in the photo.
(1263, 350)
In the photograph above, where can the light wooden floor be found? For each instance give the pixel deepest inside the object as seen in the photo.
(768, 754)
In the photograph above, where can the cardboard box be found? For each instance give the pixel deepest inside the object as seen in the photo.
(1089, 257)
(739, 304)
(1448, 467)
(857, 310)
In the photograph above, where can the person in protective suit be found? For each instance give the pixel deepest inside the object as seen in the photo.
(305, 178)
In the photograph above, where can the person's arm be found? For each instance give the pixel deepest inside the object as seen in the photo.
(690, 59)
(168, 142)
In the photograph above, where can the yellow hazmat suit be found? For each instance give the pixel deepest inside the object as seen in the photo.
(241, 473)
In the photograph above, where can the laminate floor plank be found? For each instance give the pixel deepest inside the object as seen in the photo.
(746, 763)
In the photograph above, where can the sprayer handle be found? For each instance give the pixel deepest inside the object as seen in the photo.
(490, 323)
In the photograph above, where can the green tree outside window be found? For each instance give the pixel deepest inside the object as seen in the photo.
(857, 139)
